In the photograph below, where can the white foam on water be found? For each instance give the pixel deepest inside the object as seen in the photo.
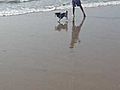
(10, 12)
(101, 4)
(20, 9)
(90, 5)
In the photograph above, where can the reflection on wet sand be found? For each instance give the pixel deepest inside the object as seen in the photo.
(62, 26)
(75, 33)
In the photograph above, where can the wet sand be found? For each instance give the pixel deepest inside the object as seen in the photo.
(37, 53)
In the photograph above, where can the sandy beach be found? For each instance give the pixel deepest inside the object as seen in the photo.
(38, 53)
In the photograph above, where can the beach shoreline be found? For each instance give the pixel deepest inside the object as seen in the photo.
(35, 51)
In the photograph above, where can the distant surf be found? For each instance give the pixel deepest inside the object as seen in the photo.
(18, 7)
(90, 5)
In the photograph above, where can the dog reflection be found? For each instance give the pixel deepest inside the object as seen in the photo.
(62, 26)
(75, 33)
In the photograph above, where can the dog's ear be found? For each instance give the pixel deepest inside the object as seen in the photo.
(57, 13)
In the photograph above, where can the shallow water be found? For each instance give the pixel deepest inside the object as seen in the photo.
(17, 7)
(36, 55)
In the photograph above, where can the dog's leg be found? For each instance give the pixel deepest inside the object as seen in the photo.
(59, 20)
(67, 17)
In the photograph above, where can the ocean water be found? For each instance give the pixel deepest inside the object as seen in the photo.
(17, 7)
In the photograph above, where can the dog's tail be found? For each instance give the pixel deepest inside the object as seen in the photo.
(66, 14)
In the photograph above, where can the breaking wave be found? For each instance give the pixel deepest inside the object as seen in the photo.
(30, 6)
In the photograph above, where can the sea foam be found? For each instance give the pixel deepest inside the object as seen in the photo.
(30, 7)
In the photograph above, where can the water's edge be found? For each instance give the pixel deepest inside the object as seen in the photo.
(19, 9)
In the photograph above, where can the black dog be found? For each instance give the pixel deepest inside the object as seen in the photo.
(61, 15)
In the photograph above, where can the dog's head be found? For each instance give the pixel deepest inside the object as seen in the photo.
(57, 14)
